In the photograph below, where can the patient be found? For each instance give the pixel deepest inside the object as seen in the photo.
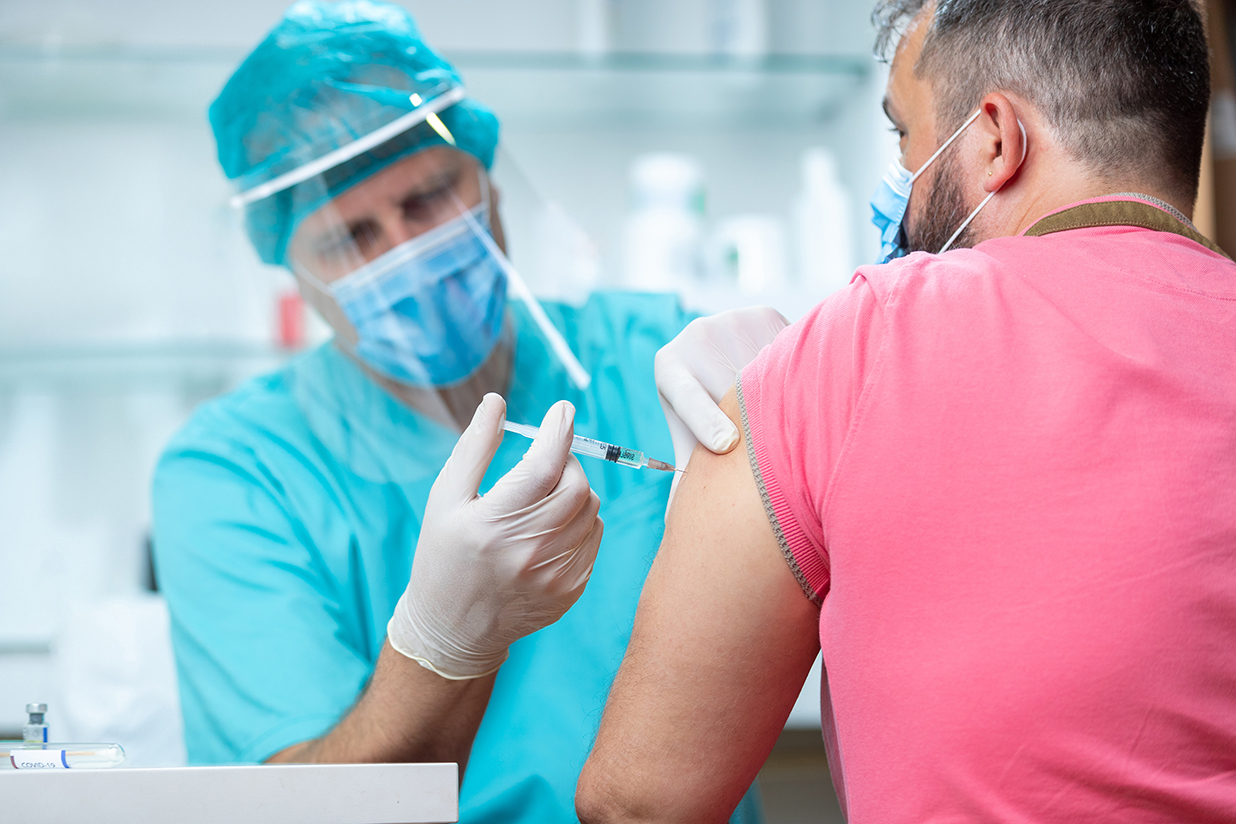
(997, 486)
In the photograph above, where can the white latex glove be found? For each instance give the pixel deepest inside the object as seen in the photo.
(490, 570)
(697, 368)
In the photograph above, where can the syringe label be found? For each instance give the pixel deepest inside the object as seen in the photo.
(38, 760)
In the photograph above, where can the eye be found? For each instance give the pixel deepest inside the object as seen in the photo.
(365, 236)
(428, 207)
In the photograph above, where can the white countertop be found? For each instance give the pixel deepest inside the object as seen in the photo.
(269, 794)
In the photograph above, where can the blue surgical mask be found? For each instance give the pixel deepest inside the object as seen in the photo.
(430, 311)
(892, 198)
(888, 210)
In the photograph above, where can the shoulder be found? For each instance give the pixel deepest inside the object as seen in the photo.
(923, 277)
(609, 317)
(616, 336)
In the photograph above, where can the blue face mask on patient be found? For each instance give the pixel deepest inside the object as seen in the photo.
(430, 311)
(892, 198)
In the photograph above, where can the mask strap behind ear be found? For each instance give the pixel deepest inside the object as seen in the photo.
(986, 200)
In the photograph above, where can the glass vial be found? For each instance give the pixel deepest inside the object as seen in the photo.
(35, 730)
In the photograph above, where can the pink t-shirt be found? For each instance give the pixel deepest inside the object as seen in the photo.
(1008, 474)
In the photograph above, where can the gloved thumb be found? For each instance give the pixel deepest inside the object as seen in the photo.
(460, 480)
(684, 396)
(539, 471)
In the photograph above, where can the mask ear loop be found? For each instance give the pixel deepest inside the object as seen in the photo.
(1024, 150)
(309, 278)
(575, 370)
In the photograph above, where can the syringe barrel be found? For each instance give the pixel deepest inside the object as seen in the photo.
(592, 448)
(608, 452)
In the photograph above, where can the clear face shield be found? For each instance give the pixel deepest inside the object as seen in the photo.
(405, 258)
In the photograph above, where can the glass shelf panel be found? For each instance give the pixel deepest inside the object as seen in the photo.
(558, 87)
(630, 89)
(113, 364)
(102, 83)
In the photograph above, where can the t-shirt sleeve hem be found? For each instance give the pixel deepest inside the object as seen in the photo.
(287, 734)
(791, 539)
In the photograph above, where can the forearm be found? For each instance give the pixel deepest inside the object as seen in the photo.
(406, 714)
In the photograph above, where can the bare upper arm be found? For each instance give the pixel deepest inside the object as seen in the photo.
(723, 640)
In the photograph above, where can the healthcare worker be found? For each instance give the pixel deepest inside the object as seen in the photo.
(339, 591)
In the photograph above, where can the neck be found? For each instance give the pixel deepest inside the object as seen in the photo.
(1036, 194)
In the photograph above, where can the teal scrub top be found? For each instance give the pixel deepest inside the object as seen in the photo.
(286, 515)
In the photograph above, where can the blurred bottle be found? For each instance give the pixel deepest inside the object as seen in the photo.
(291, 326)
(822, 230)
(748, 252)
(659, 26)
(799, 26)
(596, 26)
(739, 28)
(662, 235)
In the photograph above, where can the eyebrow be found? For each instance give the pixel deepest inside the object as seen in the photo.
(429, 184)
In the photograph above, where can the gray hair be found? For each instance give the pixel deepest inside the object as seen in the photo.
(1124, 84)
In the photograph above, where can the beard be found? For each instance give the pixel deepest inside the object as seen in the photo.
(944, 212)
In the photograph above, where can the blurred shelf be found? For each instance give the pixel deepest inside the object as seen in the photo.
(564, 88)
(138, 363)
(105, 83)
(24, 646)
(639, 89)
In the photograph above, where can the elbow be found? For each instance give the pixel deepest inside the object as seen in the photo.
(593, 803)
(600, 800)
(611, 792)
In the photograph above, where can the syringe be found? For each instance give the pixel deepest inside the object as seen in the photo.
(599, 449)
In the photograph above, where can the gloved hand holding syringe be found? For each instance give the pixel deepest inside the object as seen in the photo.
(599, 449)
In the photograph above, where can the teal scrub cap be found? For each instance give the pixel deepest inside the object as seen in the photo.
(329, 74)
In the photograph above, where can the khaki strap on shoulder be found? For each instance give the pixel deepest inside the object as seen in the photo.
(1119, 213)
